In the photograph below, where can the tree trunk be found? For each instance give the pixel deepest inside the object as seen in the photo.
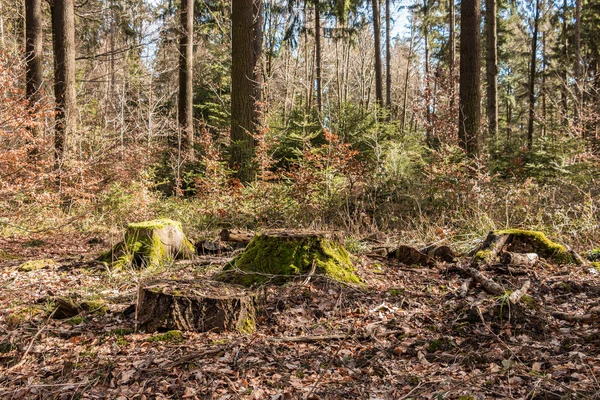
(428, 92)
(452, 48)
(577, 66)
(406, 76)
(532, 76)
(378, 66)
(564, 68)
(186, 94)
(246, 35)
(388, 57)
(470, 60)
(491, 66)
(33, 50)
(318, 55)
(63, 34)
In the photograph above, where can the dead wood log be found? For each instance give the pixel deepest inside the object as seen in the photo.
(572, 317)
(410, 256)
(195, 306)
(441, 253)
(236, 236)
(488, 285)
(489, 249)
(519, 259)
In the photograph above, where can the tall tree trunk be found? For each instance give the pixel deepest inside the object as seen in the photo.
(565, 68)
(318, 55)
(388, 57)
(491, 66)
(186, 93)
(532, 76)
(407, 75)
(378, 66)
(470, 61)
(451, 48)
(63, 35)
(246, 36)
(508, 114)
(429, 93)
(577, 66)
(33, 50)
(543, 87)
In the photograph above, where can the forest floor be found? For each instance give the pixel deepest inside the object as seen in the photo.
(404, 334)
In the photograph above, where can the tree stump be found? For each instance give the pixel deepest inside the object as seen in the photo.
(195, 306)
(150, 243)
(278, 256)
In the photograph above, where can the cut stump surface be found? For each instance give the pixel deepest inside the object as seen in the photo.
(195, 306)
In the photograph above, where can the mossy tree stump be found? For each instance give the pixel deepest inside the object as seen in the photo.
(151, 243)
(278, 256)
(195, 306)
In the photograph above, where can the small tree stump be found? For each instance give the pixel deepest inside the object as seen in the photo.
(150, 243)
(278, 256)
(195, 306)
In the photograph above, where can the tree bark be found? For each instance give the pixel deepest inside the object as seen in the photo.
(469, 93)
(564, 68)
(406, 76)
(378, 66)
(577, 66)
(491, 66)
(246, 34)
(318, 56)
(532, 76)
(451, 48)
(63, 34)
(33, 50)
(186, 94)
(195, 306)
(388, 57)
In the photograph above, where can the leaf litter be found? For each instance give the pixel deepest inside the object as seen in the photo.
(405, 333)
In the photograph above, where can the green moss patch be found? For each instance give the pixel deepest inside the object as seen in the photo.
(36, 265)
(541, 244)
(277, 258)
(170, 336)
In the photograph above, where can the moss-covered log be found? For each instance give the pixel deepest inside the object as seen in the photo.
(150, 243)
(195, 306)
(523, 241)
(277, 256)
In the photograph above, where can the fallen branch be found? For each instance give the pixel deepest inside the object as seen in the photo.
(569, 317)
(324, 338)
(515, 296)
(464, 288)
(488, 285)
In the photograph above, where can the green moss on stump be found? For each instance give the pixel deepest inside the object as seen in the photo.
(541, 244)
(277, 258)
(150, 244)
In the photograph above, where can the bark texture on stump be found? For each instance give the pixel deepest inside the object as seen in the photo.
(195, 306)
